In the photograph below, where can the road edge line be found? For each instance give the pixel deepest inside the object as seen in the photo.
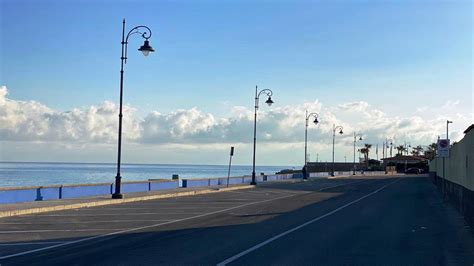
(261, 244)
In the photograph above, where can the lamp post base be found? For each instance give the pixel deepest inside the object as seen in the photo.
(117, 196)
(253, 183)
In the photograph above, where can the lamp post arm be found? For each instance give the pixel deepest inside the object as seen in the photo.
(146, 34)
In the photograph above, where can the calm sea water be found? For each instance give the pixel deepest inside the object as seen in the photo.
(43, 174)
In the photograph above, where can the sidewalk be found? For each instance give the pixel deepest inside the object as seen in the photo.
(8, 210)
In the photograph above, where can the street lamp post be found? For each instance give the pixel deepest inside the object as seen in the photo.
(389, 141)
(355, 139)
(447, 128)
(269, 101)
(145, 32)
(444, 159)
(333, 141)
(407, 147)
(307, 116)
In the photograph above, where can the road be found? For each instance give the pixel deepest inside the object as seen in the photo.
(357, 221)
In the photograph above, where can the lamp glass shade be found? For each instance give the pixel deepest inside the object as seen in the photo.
(360, 138)
(146, 49)
(269, 101)
(340, 132)
(316, 121)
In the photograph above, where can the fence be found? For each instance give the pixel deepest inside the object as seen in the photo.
(27, 194)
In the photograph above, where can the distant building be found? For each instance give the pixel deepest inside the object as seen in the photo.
(403, 162)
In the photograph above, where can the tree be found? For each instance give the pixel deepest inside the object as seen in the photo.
(430, 152)
(400, 149)
(416, 151)
(366, 151)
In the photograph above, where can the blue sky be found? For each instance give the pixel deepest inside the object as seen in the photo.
(395, 55)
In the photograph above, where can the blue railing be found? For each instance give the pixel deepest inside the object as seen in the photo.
(27, 194)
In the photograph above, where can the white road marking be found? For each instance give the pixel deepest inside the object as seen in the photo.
(59, 230)
(136, 229)
(32, 243)
(149, 208)
(245, 252)
(89, 222)
(115, 214)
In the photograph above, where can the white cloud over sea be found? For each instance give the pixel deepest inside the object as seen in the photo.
(92, 130)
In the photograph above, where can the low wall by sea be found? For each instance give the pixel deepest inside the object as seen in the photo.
(40, 193)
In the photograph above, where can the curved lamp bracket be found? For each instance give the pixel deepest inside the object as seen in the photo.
(144, 31)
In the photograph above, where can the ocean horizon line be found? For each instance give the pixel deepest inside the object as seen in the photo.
(114, 163)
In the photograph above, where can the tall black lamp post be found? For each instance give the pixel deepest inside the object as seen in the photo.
(315, 115)
(145, 33)
(334, 128)
(269, 101)
(389, 141)
(355, 139)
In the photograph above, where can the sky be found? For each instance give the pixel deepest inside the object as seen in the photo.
(383, 69)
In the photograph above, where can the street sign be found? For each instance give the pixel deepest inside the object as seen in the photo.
(443, 148)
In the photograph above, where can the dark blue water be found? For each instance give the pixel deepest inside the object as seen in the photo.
(43, 174)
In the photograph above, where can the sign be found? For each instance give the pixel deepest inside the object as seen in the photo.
(443, 148)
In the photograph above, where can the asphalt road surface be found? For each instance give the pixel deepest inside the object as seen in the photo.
(398, 220)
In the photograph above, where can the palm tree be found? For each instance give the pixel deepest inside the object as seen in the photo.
(400, 149)
(416, 151)
(366, 151)
(430, 152)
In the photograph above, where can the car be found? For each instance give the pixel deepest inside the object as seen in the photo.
(413, 170)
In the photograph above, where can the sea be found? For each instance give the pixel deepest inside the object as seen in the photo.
(19, 174)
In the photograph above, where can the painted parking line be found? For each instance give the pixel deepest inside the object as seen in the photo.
(32, 243)
(115, 214)
(59, 230)
(89, 222)
(148, 208)
(137, 228)
(266, 242)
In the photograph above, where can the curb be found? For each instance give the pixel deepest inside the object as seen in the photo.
(117, 201)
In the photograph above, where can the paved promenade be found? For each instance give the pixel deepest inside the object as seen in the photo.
(356, 220)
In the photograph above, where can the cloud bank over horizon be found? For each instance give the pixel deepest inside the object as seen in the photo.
(283, 126)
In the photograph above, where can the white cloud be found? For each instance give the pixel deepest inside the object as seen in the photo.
(279, 128)
(33, 121)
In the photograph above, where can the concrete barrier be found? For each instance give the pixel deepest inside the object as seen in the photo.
(76, 191)
(26, 194)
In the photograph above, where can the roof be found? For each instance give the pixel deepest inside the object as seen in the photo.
(469, 128)
(405, 158)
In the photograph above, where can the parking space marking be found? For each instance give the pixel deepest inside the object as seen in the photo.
(88, 222)
(58, 230)
(116, 214)
(138, 228)
(131, 208)
(32, 243)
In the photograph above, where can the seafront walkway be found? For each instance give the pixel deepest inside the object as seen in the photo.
(23, 208)
(357, 220)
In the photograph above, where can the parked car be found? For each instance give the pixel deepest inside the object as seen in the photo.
(414, 170)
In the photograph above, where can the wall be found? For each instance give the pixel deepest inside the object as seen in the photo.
(456, 182)
(460, 164)
(26, 194)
